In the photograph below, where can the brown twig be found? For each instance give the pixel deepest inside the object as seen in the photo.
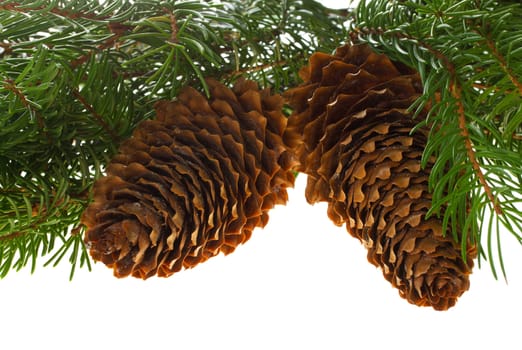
(487, 87)
(503, 63)
(36, 209)
(43, 216)
(7, 49)
(457, 94)
(255, 68)
(99, 119)
(514, 135)
(117, 29)
(173, 26)
(11, 86)
(12, 235)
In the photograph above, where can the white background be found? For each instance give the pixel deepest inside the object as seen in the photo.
(301, 283)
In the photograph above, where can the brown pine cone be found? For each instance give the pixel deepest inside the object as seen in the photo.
(351, 131)
(194, 182)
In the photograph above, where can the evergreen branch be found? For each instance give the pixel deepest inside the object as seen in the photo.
(117, 29)
(502, 61)
(173, 26)
(16, 6)
(99, 119)
(10, 85)
(11, 236)
(33, 225)
(457, 94)
(241, 72)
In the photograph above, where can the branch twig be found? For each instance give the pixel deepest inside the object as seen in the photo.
(503, 63)
(117, 29)
(6, 49)
(11, 86)
(457, 94)
(99, 119)
(255, 68)
(173, 26)
(11, 236)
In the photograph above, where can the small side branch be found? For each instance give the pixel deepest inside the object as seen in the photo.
(256, 68)
(7, 49)
(11, 86)
(503, 63)
(13, 235)
(117, 29)
(99, 119)
(173, 26)
(457, 94)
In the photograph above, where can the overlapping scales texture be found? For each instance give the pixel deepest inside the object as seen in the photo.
(194, 182)
(351, 130)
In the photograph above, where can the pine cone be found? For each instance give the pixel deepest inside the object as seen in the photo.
(191, 183)
(351, 131)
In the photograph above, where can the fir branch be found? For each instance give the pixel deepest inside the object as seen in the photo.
(502, 61)
(99, 119)
(12, 236)
(20, 7)
(457, 94)
(173, 26)
(10, 85)
(242, 72)
(117, 28)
